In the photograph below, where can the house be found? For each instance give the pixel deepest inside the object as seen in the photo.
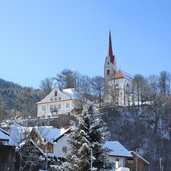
(117, 82)
(55, 143)
(138, 161)
(4, 137)
(52, 141)
(7, 152)
(57, 102)
(61, 145)
(45, 137)
(121, 157)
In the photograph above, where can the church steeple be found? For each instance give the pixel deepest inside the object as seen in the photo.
(110, 67)
(110, 51)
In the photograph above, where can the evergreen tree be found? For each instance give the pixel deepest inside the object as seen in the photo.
(87, 142)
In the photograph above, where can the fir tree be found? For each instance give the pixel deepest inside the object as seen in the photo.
(88, 136)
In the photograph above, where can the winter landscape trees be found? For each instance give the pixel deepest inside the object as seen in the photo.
(147, 124)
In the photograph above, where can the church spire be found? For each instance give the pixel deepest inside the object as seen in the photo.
(110, 51)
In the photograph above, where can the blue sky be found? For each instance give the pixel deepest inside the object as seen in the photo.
(40, 38)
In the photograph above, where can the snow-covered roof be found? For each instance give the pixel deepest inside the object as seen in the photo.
(4, 135)
(18, 133)
(70, 92)
(49, 133)
(117, 149)
(63, 133)
(139, 157)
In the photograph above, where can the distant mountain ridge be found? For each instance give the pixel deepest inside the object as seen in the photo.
(8, 84)
(17, 100)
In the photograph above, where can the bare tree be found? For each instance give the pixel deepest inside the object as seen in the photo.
(85, 89)
(97, 86)
(46, 85)
(68, 79)
(113, 91)
(153, 84)
(158, 89)
(164, 82)
(31, 156)
(139, 89)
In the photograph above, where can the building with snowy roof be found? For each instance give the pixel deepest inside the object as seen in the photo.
(7, 152)
(4, 137)
(118, 154)
(120, 157)
(58, 102)
(117, 82)
(52, 141)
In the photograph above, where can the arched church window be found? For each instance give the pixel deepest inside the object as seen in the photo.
(127, 88)
(108, 72)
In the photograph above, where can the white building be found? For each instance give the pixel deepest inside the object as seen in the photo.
(53, 141)
(117, 82)
(57, 102)
(118, 154)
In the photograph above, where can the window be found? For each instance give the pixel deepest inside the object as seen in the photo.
(67, 105)
(59, 98)
(49, 148)
(59, 106)
(43, 109)
(51, 99)
(130, 161)
(108, 72)
(51, 107)
(55, 98)
(55, 108)
(64, 149)
(56, 93)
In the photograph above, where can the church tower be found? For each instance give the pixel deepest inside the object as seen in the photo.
(117, 82)
(110, 67)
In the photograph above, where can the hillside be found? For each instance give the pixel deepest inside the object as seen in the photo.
(145, 128)
(142, 129)
(16, 100)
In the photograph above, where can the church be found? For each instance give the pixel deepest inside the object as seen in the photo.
(117, 82)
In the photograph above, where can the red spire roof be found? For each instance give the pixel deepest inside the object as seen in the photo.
(110, 52)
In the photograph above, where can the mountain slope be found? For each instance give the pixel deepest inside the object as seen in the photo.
(16, 100)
